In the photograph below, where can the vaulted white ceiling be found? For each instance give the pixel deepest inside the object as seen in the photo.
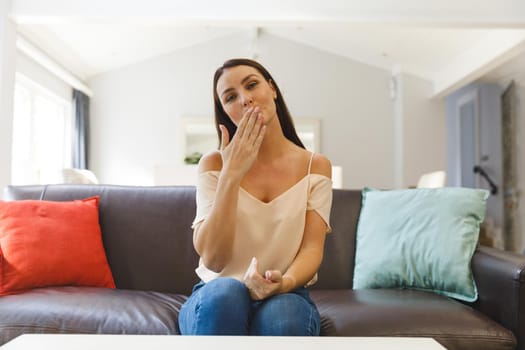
(448, 42)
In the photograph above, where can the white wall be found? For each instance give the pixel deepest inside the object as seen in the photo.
(136, 110)
(424, 130)
(350, 98)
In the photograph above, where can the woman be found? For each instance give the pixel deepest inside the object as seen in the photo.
(263, 205)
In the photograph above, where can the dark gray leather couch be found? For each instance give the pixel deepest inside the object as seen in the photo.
(148, 241)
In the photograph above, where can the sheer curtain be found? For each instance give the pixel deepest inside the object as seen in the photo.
(81, 129)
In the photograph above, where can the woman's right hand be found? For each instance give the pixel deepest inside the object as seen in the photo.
(261, 287)
(239, 155)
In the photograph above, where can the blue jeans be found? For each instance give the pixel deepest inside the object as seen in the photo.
(223, 307)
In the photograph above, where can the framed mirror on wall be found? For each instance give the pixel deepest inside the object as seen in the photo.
(199, 136)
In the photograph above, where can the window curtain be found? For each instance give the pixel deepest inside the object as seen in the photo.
(81, 129)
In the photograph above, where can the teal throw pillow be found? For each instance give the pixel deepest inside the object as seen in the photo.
(420, 239)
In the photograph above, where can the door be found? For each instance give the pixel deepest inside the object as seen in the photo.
(468, 138)
(475, 142)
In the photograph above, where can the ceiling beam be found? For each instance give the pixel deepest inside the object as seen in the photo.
(51, 65)
(464, 13)
(497, 48)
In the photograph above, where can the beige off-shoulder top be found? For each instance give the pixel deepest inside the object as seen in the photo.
(272, 232)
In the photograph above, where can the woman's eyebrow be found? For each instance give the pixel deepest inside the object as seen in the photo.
(242, 82)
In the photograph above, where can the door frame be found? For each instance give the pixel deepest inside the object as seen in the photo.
(472, 96)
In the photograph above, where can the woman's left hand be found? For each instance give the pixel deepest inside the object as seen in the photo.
(262, 287)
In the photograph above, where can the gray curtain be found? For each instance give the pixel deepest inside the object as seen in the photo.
(81, 129)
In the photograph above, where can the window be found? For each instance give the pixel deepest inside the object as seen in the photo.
(42, 131)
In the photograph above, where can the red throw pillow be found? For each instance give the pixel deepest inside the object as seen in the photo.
(46, 243)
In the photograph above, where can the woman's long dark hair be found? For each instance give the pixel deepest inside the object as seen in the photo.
(221, 117)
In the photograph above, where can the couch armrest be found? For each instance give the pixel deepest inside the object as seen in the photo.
(500, 278)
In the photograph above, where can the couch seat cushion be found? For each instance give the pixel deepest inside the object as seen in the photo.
(89, 310)
(409, 313)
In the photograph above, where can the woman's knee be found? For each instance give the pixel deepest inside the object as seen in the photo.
(286, 315)
(221, 306)
(222, 295)
(225, 290)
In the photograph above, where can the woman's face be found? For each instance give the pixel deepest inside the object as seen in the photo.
(242, 87)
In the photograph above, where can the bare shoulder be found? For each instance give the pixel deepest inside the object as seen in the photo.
(321, 165)
(210, 161)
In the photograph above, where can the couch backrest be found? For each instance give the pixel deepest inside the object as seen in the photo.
(337, 268)
(148, 237)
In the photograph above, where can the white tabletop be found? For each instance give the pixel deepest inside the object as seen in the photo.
(158, 342)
